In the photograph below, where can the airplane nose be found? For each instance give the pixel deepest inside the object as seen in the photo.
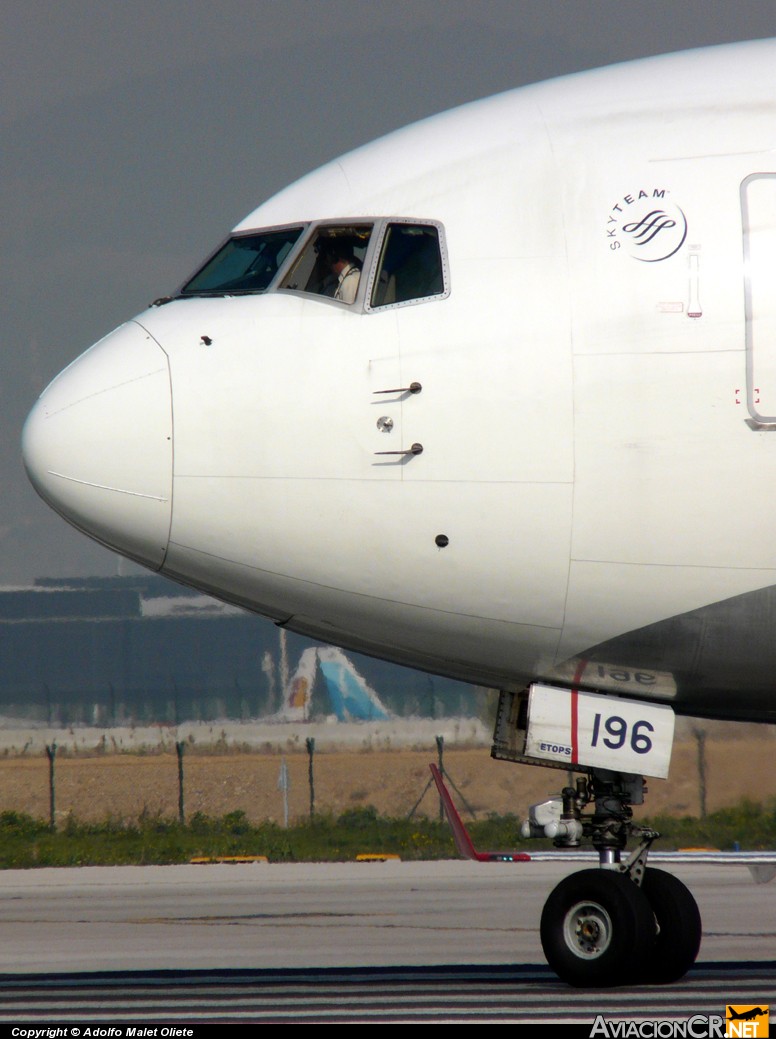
(97, 445)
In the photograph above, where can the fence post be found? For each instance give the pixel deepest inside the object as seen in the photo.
(180, 747)
(700, 736)
(284, 784)
(310, 741)
(51, 751)
(440, 742)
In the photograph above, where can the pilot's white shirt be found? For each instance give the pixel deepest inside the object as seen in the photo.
(348, 283)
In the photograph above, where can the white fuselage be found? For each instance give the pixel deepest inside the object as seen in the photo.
(597, 407)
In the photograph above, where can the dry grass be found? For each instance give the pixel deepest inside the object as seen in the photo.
(125, 786)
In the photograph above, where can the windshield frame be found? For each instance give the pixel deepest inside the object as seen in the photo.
(308, 232)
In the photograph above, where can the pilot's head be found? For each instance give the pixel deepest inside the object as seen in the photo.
(335, 251)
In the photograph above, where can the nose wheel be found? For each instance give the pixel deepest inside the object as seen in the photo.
(678, 926)
(598, 929)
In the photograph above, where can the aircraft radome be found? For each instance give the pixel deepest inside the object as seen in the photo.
(493, 396)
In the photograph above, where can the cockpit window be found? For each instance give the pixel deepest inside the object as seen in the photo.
(331, 262)
(373, 263)
(246, 263)
(410, 265)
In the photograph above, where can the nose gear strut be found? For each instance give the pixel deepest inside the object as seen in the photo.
(622, 923)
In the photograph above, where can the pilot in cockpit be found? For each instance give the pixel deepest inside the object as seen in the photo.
(344, 273)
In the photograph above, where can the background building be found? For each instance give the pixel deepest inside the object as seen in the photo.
(140, 649)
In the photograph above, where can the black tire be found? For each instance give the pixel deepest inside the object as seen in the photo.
(597, 929)
(679, 927)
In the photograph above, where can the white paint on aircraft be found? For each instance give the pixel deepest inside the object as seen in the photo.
(561, 443)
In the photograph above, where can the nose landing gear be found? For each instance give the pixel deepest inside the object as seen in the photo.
(622, 923)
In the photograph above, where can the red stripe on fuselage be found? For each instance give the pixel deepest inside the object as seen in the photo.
(575, 711)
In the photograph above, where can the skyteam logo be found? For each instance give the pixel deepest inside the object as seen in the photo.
(646, 226)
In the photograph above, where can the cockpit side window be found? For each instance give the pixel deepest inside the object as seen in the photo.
(245, 263)
(410, 267)
(331, 262)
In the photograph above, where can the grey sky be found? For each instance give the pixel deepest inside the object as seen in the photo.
(134, 135)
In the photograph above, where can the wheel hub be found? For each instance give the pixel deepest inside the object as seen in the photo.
(588, 929)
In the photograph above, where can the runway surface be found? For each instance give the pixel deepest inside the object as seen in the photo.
(517, 994)
(400, 942)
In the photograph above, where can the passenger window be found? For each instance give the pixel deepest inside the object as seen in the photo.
(410, 265)
(331, 262)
